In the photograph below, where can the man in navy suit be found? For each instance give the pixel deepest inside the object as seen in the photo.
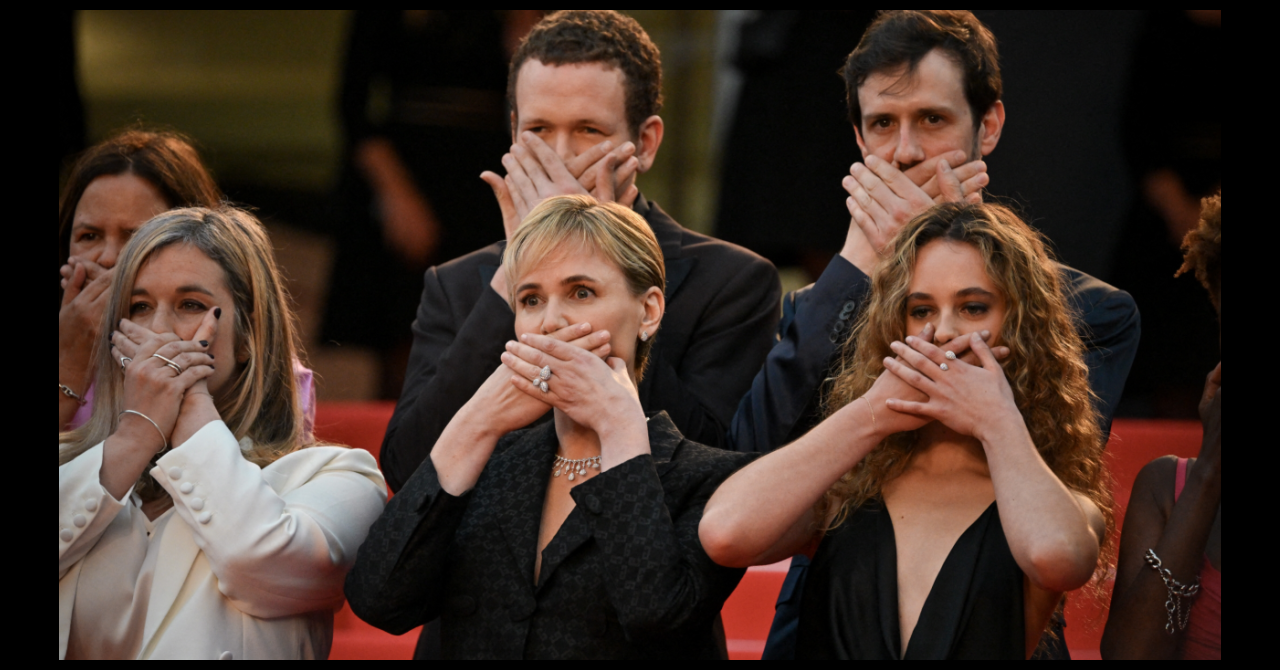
(924, 92)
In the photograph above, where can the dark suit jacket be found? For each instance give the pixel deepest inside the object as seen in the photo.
(722, 310)
(784, 399)
(624, 577)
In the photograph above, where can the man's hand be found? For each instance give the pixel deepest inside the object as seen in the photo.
(535, 173)
(883, 198)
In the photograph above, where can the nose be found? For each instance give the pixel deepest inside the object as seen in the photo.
(553, 318)
(110, 254)
(908, 151)
(162, 321)
(945, 329)
(563, 146)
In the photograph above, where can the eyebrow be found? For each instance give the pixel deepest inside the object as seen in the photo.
(962, 293)
(575, 279)
(189, 288)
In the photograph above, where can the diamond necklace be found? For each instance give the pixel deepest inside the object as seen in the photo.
(575, 468)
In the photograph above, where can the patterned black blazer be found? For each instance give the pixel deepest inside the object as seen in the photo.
(625, 577)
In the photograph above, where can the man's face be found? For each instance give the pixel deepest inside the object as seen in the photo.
(910, 119)
(574, 107)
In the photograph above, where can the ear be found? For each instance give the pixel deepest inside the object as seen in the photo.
(648, 142)
(653, 306)
(862, 146)
(990, 128)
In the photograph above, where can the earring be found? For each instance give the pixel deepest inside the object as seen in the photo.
(644, 336)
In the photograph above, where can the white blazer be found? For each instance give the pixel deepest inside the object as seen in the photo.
(252, 563)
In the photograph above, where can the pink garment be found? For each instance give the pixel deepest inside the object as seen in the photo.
(1203, 640)
(302, 375)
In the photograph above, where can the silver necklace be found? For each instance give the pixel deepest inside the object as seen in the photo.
(575, 468)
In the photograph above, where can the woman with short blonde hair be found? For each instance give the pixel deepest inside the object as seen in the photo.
(576, 537)
(197, 519)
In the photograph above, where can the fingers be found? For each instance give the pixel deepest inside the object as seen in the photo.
(194, 374)
(572, 333)
(521, 368)
(949, 187)
(578, 165)
(604, 179)
(984, 352)
(928, 332)
(503, 196)
(548, 161)
(556, 349)
(910, 407)
(917, 360)
(148, 341)
(122, 346)
(893, 178)
(175, 350)
(926, 348)
(925, 173)
(72, 287)
(909, 375)
(208, 327)
(517, 199)
(520, 182)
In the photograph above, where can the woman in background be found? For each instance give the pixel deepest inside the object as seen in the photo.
(1167, 601)
(196, 517)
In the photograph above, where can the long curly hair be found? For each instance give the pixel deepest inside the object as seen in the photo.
(1045, 367)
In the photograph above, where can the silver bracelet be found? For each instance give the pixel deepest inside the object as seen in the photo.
(1178, 615)
(162, 437)
(66, 391)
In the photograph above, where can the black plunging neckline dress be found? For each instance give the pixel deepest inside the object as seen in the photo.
(850, 604)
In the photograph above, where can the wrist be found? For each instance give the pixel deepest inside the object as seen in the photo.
(860, 254)
(135, 433)
(1005, 428)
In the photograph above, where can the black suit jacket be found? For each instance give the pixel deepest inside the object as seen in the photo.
(722, 311)
(624, 577)
(784, 399)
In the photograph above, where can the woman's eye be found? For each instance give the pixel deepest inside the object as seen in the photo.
(138, 308)
(582, 293)
(976, 309)
(529, 301)
(193, 306)
(919, 313)
(87, 237)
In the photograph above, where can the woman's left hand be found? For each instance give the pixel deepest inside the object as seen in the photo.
(594, 393)
(968, 399)
(197, 408)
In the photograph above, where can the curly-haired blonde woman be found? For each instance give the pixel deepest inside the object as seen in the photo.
(949, 499)
(196, 519)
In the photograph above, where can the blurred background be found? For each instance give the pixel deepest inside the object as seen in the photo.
(1113, 134)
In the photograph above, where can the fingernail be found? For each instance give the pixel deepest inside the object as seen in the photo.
(911, 339)
(217, 312)
(212, 356)
(204, 343)
(986, 333)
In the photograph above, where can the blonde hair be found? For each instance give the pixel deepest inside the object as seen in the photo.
(581, 222)
(1045, 366)
(262, 402)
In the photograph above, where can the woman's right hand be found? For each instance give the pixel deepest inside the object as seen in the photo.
(151, 387)
(507, 408)
(890, 386)
(85, 289)
(1211, 417)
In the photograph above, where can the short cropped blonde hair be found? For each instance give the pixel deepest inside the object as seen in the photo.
(612, 229)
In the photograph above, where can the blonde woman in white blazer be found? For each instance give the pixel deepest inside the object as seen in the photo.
(195, 519)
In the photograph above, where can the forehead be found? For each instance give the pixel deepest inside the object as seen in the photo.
(573, 91)
(124, 200)
(566, 259)
(937, 82)
(946, 266)
(180, 265)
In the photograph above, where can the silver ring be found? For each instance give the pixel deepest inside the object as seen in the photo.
(542, 386)
(944, 367)
(168, 363)
(125, 361)
(951, 355)
(545, 374)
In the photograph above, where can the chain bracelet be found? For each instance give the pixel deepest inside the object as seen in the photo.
(1177, 614)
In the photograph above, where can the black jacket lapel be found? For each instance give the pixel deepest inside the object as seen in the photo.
(521, 474)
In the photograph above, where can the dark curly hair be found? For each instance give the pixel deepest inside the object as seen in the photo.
(902, 37)
(1203, 249)
(597, 36)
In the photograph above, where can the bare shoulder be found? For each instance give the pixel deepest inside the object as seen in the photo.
(1154, 483)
